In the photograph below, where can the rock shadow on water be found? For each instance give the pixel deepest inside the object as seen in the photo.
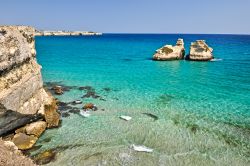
(107, 89)
(165, 98)
(151, 115)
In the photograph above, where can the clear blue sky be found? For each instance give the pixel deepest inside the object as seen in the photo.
(130, 16)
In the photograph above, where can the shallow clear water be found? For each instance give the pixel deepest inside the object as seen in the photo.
(203, 107)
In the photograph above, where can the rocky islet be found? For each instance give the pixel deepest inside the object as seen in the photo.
(199, 51)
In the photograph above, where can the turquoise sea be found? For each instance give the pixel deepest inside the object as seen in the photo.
(203, 108)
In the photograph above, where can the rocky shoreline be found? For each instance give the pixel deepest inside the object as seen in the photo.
(66, 33)
(26, 109)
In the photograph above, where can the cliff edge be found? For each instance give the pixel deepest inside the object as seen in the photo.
(26, 109)
(21, 85)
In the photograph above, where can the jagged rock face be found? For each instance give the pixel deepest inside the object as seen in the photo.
(21, 86)
(169, 52)
(200, 51)
(11, 156)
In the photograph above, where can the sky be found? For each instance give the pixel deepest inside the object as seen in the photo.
(130, 16)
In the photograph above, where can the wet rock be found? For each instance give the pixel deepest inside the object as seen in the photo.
(58, 87)
(65, 114)
(45, 157)
(23, 141)
(90, 106)
(200, 51)
(36, 128)
(52, 117)
(58, 90)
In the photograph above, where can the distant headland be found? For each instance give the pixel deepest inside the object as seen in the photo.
(66, 33)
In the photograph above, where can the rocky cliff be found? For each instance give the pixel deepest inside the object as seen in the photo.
(169, 52)
(21, 86)
(26, 109)
(200, 51)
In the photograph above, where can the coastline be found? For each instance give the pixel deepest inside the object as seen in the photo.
(66, 33)
(93, 140)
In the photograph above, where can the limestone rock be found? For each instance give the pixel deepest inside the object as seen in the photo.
(21, 86)
(52, 117)
(200, 51)
(23, 141)
(36, 128)
(11, 120)
(169, 52)
(11, 156)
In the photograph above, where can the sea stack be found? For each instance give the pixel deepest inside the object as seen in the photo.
(22, 96)
(169, 52)
(200, 51)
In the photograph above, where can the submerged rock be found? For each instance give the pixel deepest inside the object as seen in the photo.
(88, 88)
(169, 52)
(23, 141)
(90, 106)
(151, 115)
(65, 114)
(74, 111)
(58, 90)
(200, 51)
(45, 157)
(92, 94)
(107, 89)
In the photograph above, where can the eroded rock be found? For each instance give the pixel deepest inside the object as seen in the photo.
(169, 52)
(200, 51)
(52, 117)
(23, 141)
(36, 128)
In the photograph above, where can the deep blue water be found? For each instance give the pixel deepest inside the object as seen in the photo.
(203, 107)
